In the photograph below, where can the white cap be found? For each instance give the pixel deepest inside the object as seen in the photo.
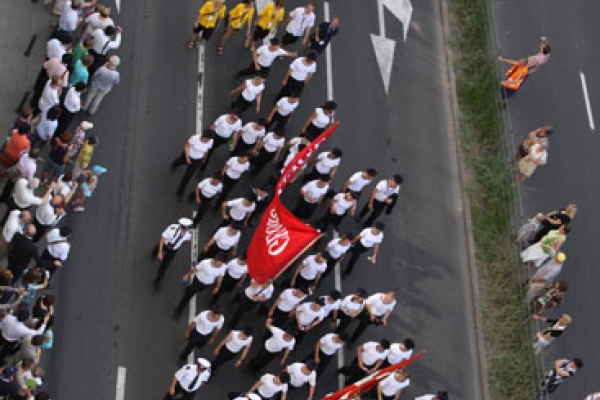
(204, 362)
(86, 125)
(254, 396)
(185, 222)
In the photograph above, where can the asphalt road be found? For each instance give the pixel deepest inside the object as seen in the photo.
(554, 96)
(108, 314)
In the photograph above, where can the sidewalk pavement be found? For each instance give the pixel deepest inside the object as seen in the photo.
(20, 20)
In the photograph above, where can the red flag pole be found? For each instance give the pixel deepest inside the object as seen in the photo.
(368, 382)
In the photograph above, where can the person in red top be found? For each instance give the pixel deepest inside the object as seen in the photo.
(17, 144)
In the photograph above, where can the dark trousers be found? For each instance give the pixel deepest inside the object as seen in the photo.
(364, 322)
(244, 306)
(224, 356)
(228, 184)
(214, 250)
(331, 263)
(312, 132)
(240, 105)
(38, 88)
(39, 230)
(355, 253)
(168, 256)
(330, 219)
(50, 267)
(259, 361)
(262, 159)
(378, 207)
(218, 141)
(227, 286)
(304, 209)
(189, 292)
(278, 122)
(292, 86)
(324, 360)
(202, 207)
(251, 71)
(8, 348)
(189, 171)
(288, 38)
(345, 321)
(242, 147)
(195, 341)
(353, 372)
(280, 318)
(10, 206)
(180, 393)
(7, 191)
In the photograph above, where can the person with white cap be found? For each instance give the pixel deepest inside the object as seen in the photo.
(188, 379)
(88, 186)
(170, 241)
(103, 80)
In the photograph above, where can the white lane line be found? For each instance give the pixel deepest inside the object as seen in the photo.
(586, 98)
(192, 305)
(338, 275)
(381, 18)
(121, 376)
(328, 56)
(200, 95)
(118, 4)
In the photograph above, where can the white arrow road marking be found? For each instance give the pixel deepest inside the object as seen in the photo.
(384, 48)
(586, 98)
(118, 4)
(384, 52)
(402, 9)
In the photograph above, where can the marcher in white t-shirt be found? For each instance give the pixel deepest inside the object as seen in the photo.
(298, 75)
(248, 299)
(285, 304)
(358, 180)
(383, 196)
(235, 276)
(239, 209)
(351, 307)
(194, 153)
(247, 138)
(378, 308)
(280, 341)
(341, 204)
(235, 342)
(269, 385)
(302, 374)
(225, 240)
(298, 24)
(311, 195)
(282, 111)
(232, 171)
(224, 127)
(325, 349)
(206, 190)
(268, 149)
(400, 352)
(368, 238)
(307, 316)
(309, 272)
(263, 57)
(250, 92)
(203, 329)
(391, 387)
(321, 119)
(369, 357)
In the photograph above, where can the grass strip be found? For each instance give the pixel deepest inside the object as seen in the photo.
(510, 360)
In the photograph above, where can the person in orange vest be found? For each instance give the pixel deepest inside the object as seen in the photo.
(521, 69)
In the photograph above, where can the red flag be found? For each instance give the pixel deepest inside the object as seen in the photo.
(280, 237)
(369, 382)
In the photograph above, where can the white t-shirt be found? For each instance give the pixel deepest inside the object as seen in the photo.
(225, 129)
(72, 100)
(265, 56)
(370, 355)
(288, 301)
(293, 145)
(300, 71)
(268, 388)
(271, 143)
(310, 267)
(325, 164)
(209, 190)
(62, 187)
(235, 169)
(236, 343)
(357, 182)
(57, 245)
(235, 269)
(341, 205)
(321, 120)
(306, 315)
(298, 378)
(368, 239)
(45, 129)
(432, 396)
(224, 241)
(250, 134)
(174, 236)
(336, 249)
(300, 21)
(45, 212)
(277, 343)
(68, 17)
(328, 345)
(313, 192)
(377, 306)
(349, 306)
(390, 385)
(205, 326)
(285, 108)
(12, 225)
(49, 98)
(187, 374)
(207, 272)
(198, 148)
(396, 354)
(251, 91)
(384, 190)
(328, 307)
(238, 210)
(263, 292)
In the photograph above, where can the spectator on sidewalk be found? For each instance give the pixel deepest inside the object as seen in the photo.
(103, 81)
(23, 196)
(16, 222)
(22, 251)
(105, 40)
(71, 105)
(17, 143)
(545, 337)
(562, 369)
(57, 248)
(88, 186)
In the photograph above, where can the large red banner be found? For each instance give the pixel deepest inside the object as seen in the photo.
(280, 237)
(369, 382)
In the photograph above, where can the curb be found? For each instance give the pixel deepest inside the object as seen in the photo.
(481, 380)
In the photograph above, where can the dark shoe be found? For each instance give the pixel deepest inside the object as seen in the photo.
(156, 284)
